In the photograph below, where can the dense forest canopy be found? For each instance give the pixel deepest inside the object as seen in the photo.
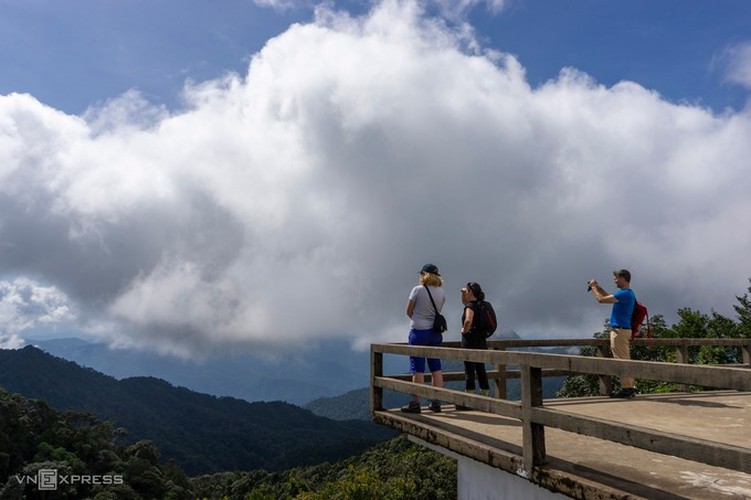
(34, 437)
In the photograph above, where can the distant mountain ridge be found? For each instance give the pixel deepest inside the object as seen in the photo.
(201, 433)
(356, 404)
(327, 369)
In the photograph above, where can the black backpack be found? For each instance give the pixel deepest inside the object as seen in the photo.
(486, 319)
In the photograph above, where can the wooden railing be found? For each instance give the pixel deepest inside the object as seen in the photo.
(534, 417)
(501, 374)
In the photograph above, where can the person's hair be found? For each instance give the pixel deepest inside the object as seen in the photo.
(430, 279)
(476, 290)
(623, 273)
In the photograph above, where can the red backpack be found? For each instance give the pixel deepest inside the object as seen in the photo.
(637, 319)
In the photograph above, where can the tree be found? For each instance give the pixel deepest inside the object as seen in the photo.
(720, 327)
(658, 329)
(743, 309)
(695, 324)
(576, 386)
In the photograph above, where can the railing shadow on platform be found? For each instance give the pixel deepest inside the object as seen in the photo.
(534, 417)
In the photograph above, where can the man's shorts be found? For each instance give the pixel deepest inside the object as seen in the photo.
(429, 338)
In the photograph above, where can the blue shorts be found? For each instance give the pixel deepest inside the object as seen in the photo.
(424, 337)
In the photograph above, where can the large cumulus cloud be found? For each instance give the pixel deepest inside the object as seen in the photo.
(297, 202)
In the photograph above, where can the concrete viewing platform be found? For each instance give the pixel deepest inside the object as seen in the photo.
(695, 443)
(600, 468)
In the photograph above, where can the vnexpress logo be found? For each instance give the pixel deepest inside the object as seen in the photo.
(50, 479)
(47, 479)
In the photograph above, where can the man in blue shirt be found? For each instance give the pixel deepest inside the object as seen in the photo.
(620, 321)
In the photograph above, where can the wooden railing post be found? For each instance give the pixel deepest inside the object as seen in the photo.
(500, 382)
(533, 435)
(376, 370)
(746, 351)
(681, 355)
(605, 381)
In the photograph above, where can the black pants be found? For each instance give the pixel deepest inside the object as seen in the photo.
(470, 369)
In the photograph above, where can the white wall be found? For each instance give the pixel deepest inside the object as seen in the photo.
(477, 481)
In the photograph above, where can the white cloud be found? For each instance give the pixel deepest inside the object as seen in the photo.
(450, 9)
(25, 304)
(738, 64)
(297, 202)
(458, 9)
(280, 4)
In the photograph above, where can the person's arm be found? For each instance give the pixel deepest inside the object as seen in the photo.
(469, 315)
(600, 294)
(410, 307)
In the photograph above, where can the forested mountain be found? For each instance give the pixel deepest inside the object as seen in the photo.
(88, 463)
(201, 433)
(326, 369)
(396, 470)
(356, 404)
(35, 438)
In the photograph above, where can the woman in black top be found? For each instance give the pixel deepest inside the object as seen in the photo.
(473, 337)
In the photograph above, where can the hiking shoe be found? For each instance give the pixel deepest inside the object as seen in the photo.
(412, 407)
(435, 406)
(625, 393)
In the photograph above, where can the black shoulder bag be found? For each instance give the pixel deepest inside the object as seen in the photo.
(439, 322)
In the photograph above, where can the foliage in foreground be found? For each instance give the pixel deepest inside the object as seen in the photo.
(34, 437)
(396, 469)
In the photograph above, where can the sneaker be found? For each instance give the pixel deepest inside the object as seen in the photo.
(412, 407)
(435, 406)
(625, 393)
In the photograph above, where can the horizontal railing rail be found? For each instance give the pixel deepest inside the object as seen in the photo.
(501, 374)
(534, 416)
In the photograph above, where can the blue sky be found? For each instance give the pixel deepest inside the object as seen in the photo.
(174, 174)
(76, 54)
(84, 52)
(677, 48)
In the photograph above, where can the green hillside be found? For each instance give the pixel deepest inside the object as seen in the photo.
(201, 433)
(88, 463)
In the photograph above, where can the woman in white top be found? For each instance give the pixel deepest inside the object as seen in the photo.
(422, 313)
